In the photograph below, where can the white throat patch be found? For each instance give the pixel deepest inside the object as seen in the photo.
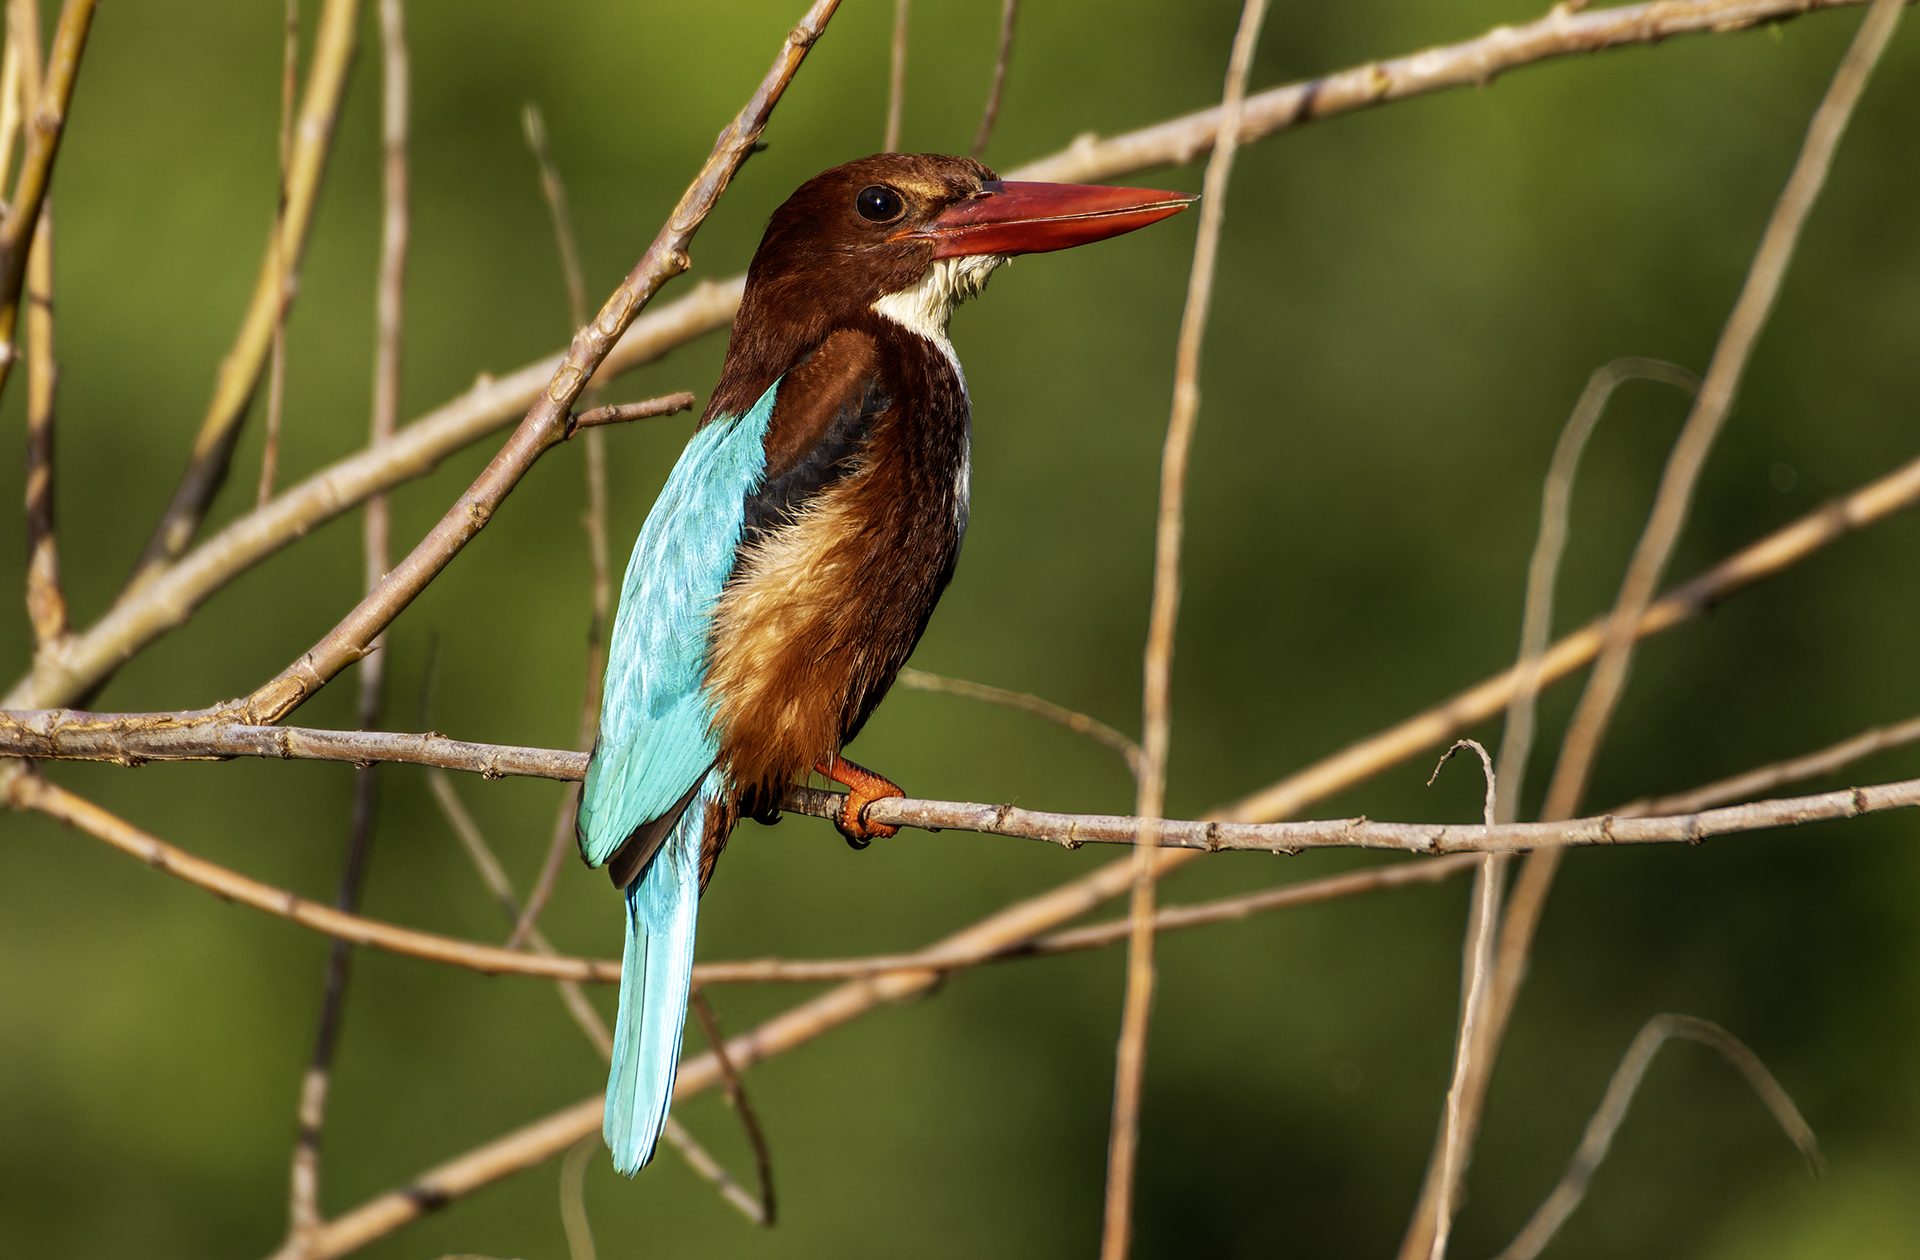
(927, 306)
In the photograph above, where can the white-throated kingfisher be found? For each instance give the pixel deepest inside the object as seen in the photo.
(799, 546)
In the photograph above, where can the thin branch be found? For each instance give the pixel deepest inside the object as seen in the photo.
(170, 599)
(545, 422)
(31, 791)
(276, 244)
(1079, 723)
(1556, 505)
(133, 738)
(1672, 502)
(44, 128)
(454, 810)
(1606, 1121)
(12, 98)
(573, 1198)
(1130, 1058)
(896, 79)
(736, 1096)
(1009, 932)
(46, 605)
(305, 1216)
(135, 622)
(239, 376)
(594, 519)
(1782, 549)
(1474, 63)
(1476, 966)
(1766, 778)
(1009, 14)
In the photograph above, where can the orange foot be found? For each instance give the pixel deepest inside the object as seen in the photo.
(864, 787)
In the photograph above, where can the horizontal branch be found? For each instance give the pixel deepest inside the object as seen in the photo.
(1472, 63)
(624, 413)
(1073, 830)
(31, 791)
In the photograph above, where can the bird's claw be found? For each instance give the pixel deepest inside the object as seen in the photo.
(864, 787)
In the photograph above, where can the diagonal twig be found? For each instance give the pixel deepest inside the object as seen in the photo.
(595, 519)
(239, 375)
(44, 124)
(1129, 1074)
(1009, 14)
(1766, 778)
(1672, 501)
(736, 1096)
(1079, 723)
(1565, 1198)
(481, 854)
(545, 422)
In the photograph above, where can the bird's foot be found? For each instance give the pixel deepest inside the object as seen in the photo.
(864, 787)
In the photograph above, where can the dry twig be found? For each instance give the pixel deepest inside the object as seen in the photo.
(545, 422)
(1556, 504)
(276, 244)
(896, 79)
(736, 1096)
(1156, 716)
(45, 123)
(1476, 964)
(46, 604)
(1671, 504)
(305, 1216)
(1566, 1196)
(212, 454)
(1009, 14)
(1079, 723)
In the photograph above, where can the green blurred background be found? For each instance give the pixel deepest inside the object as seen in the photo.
(1410, 300)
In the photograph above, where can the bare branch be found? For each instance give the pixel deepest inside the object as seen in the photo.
(896, 79)
(626, 413)
(276, 245)
(168, 600)
(1766, 778)
(31, 791)
(545, 421)
(239, 376)
(44, 127)
(1670, 508)
(1079, 723)
(595, 519)
(1130, 1059)
(1566, 1196)
(1556, 504)
(1476, 968)
(736, 1096)
(46, 604)
(1009, 14)
(578, 1007)
(136, 738)
(305, 1215)
(1870, 504)
(1474, 63)
(573, 1198)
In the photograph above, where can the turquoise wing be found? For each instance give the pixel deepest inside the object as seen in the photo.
(656, 739)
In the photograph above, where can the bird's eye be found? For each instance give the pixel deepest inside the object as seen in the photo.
(879, 204)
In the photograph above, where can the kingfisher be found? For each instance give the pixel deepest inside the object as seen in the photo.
(793, 558)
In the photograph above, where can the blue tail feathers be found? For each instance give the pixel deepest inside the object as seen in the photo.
(656, 972)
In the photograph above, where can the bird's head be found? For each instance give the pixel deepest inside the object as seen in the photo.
(907, 237)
